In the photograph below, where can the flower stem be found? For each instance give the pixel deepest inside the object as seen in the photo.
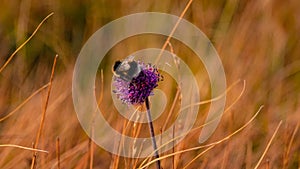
(152, 133)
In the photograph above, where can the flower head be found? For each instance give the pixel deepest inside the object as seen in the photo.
(138, 88)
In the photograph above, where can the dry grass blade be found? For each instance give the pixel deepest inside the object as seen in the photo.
(268, 146)
(23, 44)
(209, 148)
(24, 102)
(171, 109)
(74, 152)
(44, 112)
(218, 97)
(173, 30)
(91, 143)
(204, 102)
(267, 164)
(91, 148)
(285, 163)
(58, 152)
(22, 147)
(46, 104)
(204, 146)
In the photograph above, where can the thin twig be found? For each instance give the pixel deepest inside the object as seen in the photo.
(23, 44)
(91, 143)
(58, 152)
(91, 147)
(171, 109)
(46, 104)
(173, 30)
(22, 147)
(209, 148)
(44, 112)
(268, 146)
(24, 102)
(268, 164)
(218, 97)
(173, 147)
(285, 163)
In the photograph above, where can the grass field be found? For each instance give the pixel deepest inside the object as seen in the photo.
(258, 44)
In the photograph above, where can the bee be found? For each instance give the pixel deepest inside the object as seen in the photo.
(126, 69)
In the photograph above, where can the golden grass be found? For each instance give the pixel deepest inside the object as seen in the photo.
(22, 147)
(24, 43)
(211, 145)
(268, 146)
(257, 41)
(42, 123)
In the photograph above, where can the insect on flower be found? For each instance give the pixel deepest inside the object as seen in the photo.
(127, 69)
(134, 81)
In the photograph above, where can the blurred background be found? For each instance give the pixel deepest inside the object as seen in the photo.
(257, 41)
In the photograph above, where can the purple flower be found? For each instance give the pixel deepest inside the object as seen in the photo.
(137, 89)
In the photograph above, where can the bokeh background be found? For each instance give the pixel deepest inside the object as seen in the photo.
(258, 41)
